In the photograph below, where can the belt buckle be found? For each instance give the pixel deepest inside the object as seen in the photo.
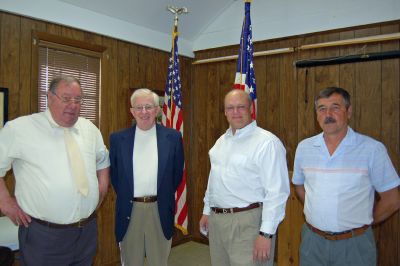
(80, 223)
(224, 211)
(146, 198)
(331, 233)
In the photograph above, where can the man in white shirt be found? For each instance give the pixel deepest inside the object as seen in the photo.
(247, 190)
(55, 213)
(146, 170)
(336, 174)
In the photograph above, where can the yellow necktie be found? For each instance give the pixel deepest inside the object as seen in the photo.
(76, 162)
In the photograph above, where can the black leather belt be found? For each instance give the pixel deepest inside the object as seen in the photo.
(145, 199)
(81, 223)
(233, 210)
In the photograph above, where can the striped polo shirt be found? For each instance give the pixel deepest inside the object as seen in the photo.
(340, 187)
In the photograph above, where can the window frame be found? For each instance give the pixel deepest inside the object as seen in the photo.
(41, 39)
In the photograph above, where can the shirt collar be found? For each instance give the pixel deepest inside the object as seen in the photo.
(349, 139)
(54, 124)
(242, 131)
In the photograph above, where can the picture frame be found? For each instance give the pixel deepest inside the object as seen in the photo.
(3, 106)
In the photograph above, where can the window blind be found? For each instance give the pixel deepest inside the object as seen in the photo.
(54, 61)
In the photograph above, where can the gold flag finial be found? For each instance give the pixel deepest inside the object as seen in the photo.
(177, 11)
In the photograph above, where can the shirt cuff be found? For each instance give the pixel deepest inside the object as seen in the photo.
(268, 227)
(206, 210)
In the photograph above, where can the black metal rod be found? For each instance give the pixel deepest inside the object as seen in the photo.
(347, 59)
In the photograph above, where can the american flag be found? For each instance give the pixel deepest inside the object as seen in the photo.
(173, 117)
(245, 78)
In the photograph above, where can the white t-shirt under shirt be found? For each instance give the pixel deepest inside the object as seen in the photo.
(145, 162)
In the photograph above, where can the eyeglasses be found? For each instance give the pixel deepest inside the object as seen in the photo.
(332, 109)
(239, 108)
(146, 108)
(69, 99)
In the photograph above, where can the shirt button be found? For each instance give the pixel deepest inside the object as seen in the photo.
(128, 217)
(131, 201)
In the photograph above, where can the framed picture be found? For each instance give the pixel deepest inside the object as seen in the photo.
(3, 106)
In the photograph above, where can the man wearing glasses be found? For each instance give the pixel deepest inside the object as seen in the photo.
(247, 189)
(61, 168)
(146, 169)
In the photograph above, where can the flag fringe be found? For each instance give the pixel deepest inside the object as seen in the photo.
(182, 229)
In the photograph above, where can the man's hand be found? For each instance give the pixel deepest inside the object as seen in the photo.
(204, 225)
(11, 209)
(262, 249)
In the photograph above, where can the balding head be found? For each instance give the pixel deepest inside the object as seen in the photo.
(238, 109)
(241, 93)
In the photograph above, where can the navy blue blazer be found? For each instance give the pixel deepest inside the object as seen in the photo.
(170, 171)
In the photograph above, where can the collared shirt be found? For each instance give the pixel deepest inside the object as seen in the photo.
(35, 148)
(247, 167)
(145, 162)
(340, 187)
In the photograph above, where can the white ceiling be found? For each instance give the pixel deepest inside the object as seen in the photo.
(152, 14)
(209, 24)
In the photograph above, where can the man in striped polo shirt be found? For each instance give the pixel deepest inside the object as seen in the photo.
(336, 174)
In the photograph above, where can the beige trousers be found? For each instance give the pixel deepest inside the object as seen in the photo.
(145, 238)
(232, 236)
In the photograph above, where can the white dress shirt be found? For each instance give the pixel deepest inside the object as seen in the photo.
(34, 147)
(249, 167)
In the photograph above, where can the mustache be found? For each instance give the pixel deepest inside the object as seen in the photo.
(329, 120)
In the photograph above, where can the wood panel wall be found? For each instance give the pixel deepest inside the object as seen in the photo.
(123, 66)
(285, 104)
(286, 108)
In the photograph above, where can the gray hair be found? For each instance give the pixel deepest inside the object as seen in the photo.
(55, 82)
(144, 92)
(327, 92)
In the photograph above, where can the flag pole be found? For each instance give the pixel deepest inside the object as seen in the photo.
(172, 117)
(245, 76)
(176, 11)
(241, 39)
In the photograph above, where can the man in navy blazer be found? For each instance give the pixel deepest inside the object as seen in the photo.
(146, 170)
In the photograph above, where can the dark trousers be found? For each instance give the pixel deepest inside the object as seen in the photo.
(318, 251)
(41, 245)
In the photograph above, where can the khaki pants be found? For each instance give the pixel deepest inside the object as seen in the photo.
(145, 237)
(232, 238)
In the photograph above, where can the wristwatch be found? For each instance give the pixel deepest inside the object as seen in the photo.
(266, 235)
